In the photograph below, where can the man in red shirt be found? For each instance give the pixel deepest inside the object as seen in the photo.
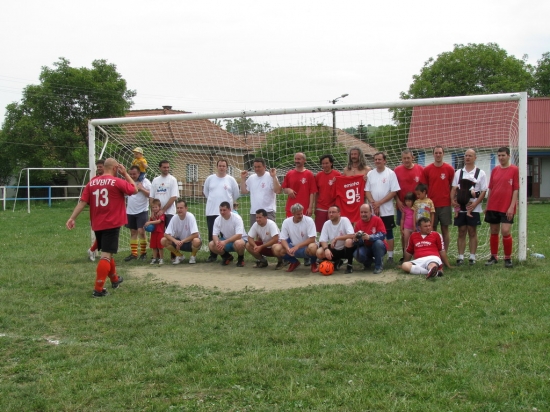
(324, 198)
(105, 195)
(299, 184)
(439, 178)
(501, 206)
(371, 243)
(428, 250)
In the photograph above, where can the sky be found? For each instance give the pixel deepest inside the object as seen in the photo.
(219, 56)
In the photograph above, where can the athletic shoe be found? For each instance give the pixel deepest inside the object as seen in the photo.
(293, 266)
(143, 256)
(211, 258)
(338, 264)
(377, 271)
(508, 263)
(192, 260)
(492, 261)
(129, 258)
(459, 262)
(91, 255)
(101, 294)
(178, 260)
(349, 269)
(472, 262)
(390, 260)
(314, 267)
(307, 261)
(154, 261)
(160, 262)
(433, 272)
(115, 285)
(439, 273)
(262, 264)
(401, 261)
(226, 260)
(281, 264)
(240, 263)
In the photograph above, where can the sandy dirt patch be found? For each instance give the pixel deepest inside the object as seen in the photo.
(232, 278)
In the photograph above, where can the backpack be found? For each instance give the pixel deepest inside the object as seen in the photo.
(463, 194)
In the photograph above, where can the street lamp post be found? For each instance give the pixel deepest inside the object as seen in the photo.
(333, 101)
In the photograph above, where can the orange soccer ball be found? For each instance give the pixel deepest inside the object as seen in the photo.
(326, 268)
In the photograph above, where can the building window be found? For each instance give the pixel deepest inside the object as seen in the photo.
(192, 173)
(458, 161)
(230, 170)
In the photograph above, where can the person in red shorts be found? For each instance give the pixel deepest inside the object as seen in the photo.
(105, 195)
(299, 184)
(158, 219)
(501, 206)
(324, 198)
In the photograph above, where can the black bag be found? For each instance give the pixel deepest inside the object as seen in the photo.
(463, 194)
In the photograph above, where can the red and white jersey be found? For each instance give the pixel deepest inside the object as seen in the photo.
(408, 179)
(303, 183)
(502, 183)
(374, 225)
(425, 245)
(325, 195)
(106, 197)
(350, 195)
(439, 181)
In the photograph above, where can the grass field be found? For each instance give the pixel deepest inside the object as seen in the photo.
(476, 339)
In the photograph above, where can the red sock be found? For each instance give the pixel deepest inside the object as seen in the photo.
(112, 272)
(94, 246)
(494, 244)
(507, 244)
(102, 271)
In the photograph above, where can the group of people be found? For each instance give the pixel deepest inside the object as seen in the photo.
(353, 211)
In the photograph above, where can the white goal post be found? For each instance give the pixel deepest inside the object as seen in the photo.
(194, 142)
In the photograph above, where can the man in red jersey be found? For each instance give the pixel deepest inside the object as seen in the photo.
(98, 172)
(105, 195)
(501, 206)
(324, 198)
(299, 184)
(439, 178)
(428, 250)
(370, 238)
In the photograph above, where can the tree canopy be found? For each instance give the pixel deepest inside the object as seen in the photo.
(48, 128)
(542, 76)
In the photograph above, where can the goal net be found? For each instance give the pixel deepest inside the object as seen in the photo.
(193, 143)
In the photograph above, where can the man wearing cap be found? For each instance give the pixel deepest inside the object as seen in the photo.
(141, 162)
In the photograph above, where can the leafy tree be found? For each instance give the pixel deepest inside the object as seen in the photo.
(49, 127)
(392, 140)
(245, 125)
(542, 76)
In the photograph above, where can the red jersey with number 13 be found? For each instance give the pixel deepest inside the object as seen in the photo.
(350, 195)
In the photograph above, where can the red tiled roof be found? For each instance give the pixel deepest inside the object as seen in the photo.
(538, 122)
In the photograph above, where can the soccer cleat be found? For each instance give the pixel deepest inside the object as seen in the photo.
(338, 264)
(177, 260)
(459, 262)
(91, 255)
(262, 264)
(160, 262)
(192, 260)
(432, 273)
(143, 256)
(390, 260)
(314, 267)
(349, 269)
(154, 261)
(471, 262)
(492, 261)
(439, 273)
(129, 258)
(211, 258)
(293, 266)
(401, 261)
(115, 285)
(226, 260)
(101, 294)
(281, 264)
(377, 271)
(508, 263)
(307, 261)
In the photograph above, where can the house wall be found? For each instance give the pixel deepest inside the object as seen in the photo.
(545, 177)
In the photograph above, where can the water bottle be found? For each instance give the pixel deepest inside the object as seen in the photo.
(537, 255)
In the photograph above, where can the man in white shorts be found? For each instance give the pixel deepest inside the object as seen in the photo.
(261, 237)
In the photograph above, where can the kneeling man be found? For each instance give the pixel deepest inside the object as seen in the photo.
(228, 235)
(370, 239)
(182, 234)
(261, 237)
(336, 240)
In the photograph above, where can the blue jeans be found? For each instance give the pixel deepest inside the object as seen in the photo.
(300, 253)
(366, 253)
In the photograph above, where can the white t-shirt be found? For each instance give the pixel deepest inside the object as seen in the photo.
(261, 193)
(139, 203)
(266, 233)
(181, 229)
(330, 231)
(164, 188)
(379, 184)
(480, 183)
(219, 189)
(229, 227)
(298, 232)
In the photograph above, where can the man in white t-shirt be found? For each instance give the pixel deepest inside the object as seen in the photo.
(228, 235)
(182, 234)
(137, 208)
(263, 234)
(297, 239)
(262, 186)
(218, 187)
(381, 188)
(336, 240)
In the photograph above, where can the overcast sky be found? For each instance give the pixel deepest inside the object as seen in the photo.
(212, 56)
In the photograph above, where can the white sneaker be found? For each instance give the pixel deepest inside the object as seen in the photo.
(91, 255)
(192, 260)
(161, 262)
(154, 261)
(178, 260)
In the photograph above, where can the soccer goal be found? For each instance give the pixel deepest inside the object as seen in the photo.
(193, 143)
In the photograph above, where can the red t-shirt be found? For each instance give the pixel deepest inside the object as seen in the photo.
(439, 181)
(503, 182)
(349, 192)
(303, 183)
(430, 245)
(374, 225)
(324, 181)
(105, 195)
(408, 179)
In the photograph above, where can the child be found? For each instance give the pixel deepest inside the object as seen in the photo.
(140, 162)
(423, 206)
(235, 207)
(461, 199)
(157, 219)
(407, 218)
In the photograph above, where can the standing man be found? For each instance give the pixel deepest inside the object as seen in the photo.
(371, 242)
(357, 163)
(182, 234)
(262, 187)
(428, 250)
(381, 188)
(105, 195)
(439, 178)
(336, 240)
(465, 223)
(218, 187)
(137, 209)
(263, 234)
(324, 198)
(228, 235)
(297, 239)
(98, 172)
(299, 184)
(501, 206)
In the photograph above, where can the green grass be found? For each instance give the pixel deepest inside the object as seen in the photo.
(476, 339)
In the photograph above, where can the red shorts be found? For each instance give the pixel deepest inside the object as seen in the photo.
(156, 237)
(321, 216)
(266, 251)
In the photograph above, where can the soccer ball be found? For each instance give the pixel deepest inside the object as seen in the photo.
(150, 228)
(326, 268)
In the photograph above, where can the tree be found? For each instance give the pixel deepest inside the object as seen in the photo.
(542, 76)
(49, 127)
(245, 125)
